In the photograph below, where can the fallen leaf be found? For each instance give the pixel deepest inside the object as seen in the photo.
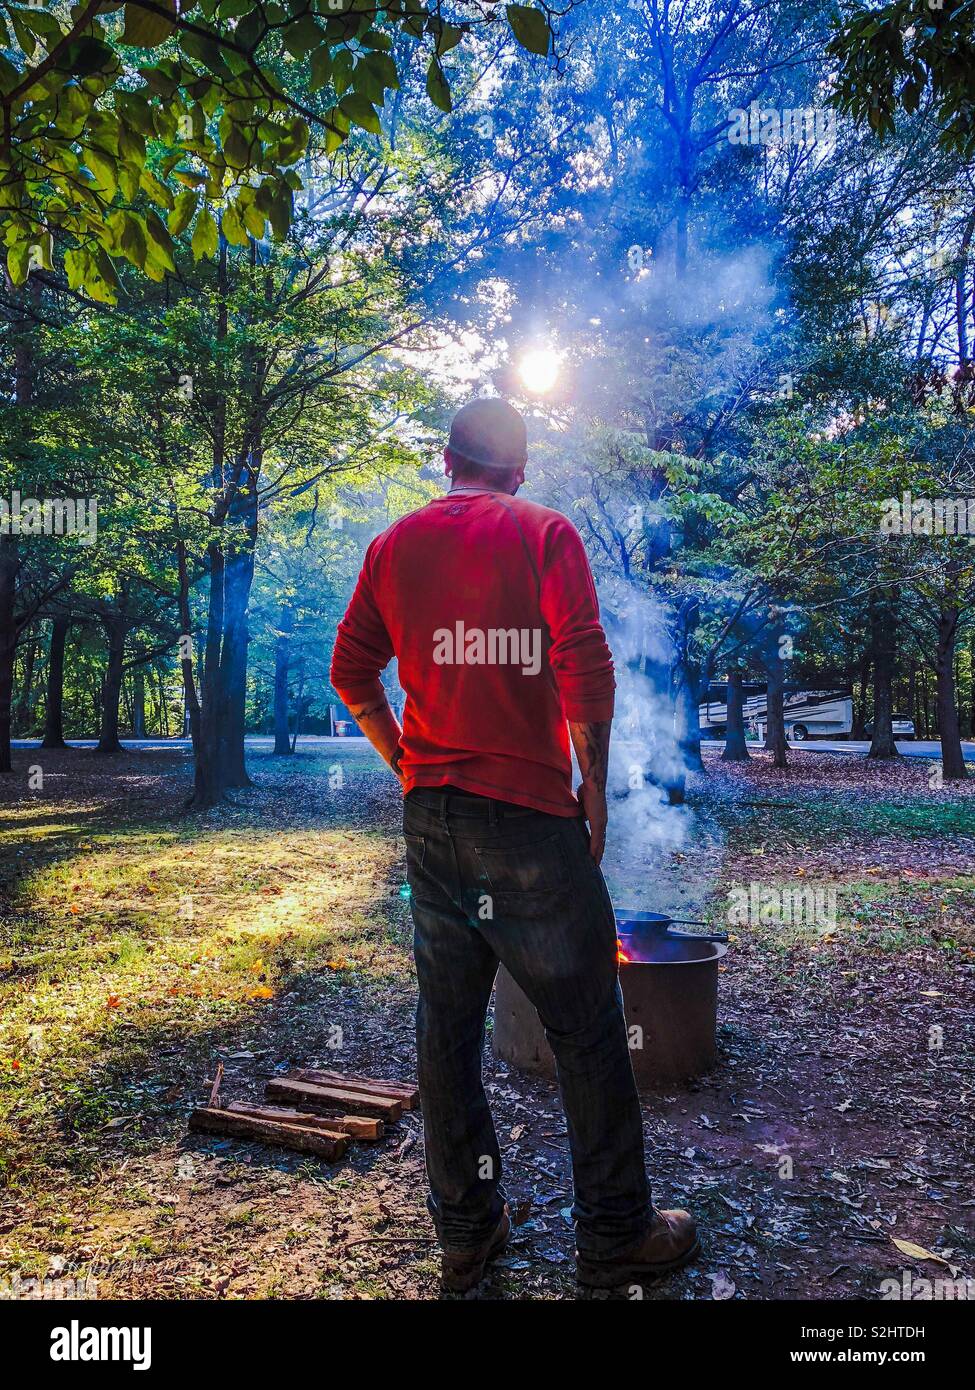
(916, 1252)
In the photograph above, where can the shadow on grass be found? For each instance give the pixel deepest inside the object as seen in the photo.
(133, 1078)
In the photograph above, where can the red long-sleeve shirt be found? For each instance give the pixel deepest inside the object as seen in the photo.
(489, 604)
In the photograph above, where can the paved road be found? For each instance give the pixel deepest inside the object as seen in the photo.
(252, 741)
(930, 748)
(922, 748)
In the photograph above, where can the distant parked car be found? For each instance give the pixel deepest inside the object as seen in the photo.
(902, 726)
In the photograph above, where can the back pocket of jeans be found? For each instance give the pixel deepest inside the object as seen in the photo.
(416, 848)
(539, 868)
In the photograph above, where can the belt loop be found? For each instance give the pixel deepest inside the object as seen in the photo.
(492, 812)
(444, 799)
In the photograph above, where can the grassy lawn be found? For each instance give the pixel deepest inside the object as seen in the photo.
(136, 943)
(139, 946)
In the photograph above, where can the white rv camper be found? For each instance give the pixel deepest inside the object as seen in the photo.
(808, 714)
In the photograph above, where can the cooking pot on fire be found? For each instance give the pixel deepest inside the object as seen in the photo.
(656, 926)
(669, 980)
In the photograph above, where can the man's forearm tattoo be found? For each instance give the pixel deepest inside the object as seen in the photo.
(368, 711)
(592, 751)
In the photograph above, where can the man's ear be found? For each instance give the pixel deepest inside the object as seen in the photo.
(448, 463)
(519, 478)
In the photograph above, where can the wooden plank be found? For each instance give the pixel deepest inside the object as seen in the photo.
(303, 1093)
(370, 1085)
(306, 1095)
(358, 1126)
(214, 1102)
(322, 1143)
(354, 1080)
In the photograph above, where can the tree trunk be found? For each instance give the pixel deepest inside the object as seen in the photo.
(775, 712)
(687, 690)
(207, 784)
(108, 741)
(191, 703)
(680, 241)
(282, 665)
(54, 712)
(924, 706)
(207, 787)
(163, 702)
(883, 618)
(238, 578)
(301, 703)
(138, 703)
(22, 719)
(735, 743)
(22, 336)
(127, 707)
(688, 713)
(952, 758)
(9, 564)
(233, 667)
(860, 704)
(961, 290)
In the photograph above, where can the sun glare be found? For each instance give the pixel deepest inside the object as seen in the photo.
(539, 369)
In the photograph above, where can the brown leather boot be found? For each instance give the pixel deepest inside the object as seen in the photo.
(670, 1243)
(462, 1270)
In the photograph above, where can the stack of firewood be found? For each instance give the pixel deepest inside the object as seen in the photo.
(321, 1111)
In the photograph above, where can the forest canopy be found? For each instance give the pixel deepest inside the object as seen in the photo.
(257, 254)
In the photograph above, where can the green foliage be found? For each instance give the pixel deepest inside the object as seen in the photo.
(530, 27)
(437, 88)
(101, 114)
(893, 54)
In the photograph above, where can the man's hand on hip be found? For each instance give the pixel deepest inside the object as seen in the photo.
(591, 744)
(381, 727)
(593, 803)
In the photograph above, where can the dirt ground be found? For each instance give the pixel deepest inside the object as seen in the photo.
(138, 946)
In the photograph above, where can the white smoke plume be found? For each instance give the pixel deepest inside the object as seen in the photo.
(645, 759)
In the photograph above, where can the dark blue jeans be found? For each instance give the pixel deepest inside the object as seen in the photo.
(494, 882)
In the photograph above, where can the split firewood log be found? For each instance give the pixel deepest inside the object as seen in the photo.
(370, 1085)
(358, 1126)
(312, 1097)
(326, 1144)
